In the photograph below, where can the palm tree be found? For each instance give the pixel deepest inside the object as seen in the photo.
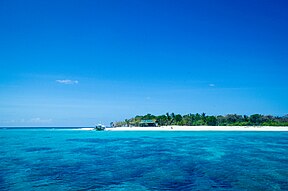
(168, 118)
(127, 122)
(172, 118)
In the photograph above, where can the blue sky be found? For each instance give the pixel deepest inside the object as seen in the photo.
(78, 63)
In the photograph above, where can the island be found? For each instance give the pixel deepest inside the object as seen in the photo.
(201, 122)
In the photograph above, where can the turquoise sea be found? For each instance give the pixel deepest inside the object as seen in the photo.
(54, 159)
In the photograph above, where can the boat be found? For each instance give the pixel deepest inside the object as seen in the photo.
(100, 127)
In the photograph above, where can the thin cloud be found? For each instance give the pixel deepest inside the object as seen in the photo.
(36, 120)
(39, 120)
(212, 85)
(67, 82)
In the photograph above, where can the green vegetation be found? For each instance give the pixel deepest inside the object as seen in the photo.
(203, 119)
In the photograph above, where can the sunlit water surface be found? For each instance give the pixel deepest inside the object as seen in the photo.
(51, 159)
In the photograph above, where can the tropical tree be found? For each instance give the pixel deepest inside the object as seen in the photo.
(211, 120)
(162, 120)
(178, 119)
(127, 122)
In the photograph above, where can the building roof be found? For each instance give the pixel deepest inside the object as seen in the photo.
(147, 121)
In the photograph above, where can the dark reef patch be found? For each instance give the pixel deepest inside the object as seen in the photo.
(38, 149)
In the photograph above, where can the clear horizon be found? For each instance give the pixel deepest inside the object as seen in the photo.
(75, 63)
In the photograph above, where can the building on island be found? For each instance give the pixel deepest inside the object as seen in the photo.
(148, 123)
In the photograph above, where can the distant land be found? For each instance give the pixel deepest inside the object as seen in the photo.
(205, 120)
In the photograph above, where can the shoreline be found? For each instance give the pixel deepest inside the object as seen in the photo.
(201, 128)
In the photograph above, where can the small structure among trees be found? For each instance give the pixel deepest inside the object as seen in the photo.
(148, 123)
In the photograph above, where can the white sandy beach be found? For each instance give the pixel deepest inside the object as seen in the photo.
(200, 128)
(85, 129)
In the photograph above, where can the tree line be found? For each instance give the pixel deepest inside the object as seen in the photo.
(209, 120)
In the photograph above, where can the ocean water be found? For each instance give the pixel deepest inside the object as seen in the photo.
(52, 159)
